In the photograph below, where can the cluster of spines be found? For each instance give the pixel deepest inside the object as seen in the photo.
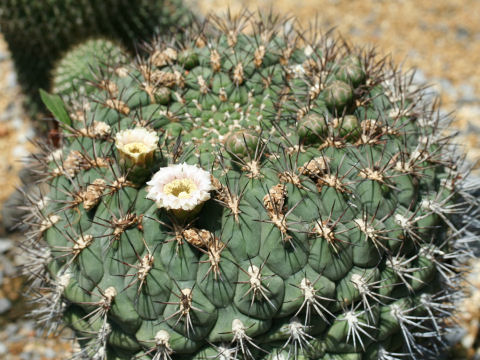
(356, 316)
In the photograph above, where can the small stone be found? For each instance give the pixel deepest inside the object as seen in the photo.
(462, 33)
(455, 335)
(8, 113)
(50, 353)
(11, 80)
(467, 93)
(5, 305)
(356, 31)
(28, 326)
(17, 123)
(419, 77)
(447, 87)
(5, 245)
(28, 355)
(8, 267)
(3, 349)
(20, 152)
(470, 115)
(11, 329)
(26, 136)
(3, 55)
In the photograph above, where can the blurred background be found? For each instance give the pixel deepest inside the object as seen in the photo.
(440, 38)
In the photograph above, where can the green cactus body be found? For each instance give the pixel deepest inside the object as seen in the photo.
(39, 32)
(324, 230)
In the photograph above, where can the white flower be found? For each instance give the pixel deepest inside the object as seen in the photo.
(180, 187)
(138, 145)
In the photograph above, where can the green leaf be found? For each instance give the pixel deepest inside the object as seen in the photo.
(54, 103)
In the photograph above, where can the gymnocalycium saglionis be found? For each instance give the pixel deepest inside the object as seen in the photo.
(254, 192)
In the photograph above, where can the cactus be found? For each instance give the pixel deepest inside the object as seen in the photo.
(39, 32)
(77, 71)
(266, 195)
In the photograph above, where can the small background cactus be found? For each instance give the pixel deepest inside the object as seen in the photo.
(333, 226)
(39, 32)
(76, 72)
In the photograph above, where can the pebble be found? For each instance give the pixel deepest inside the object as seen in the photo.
(26, 135)
(413, 54)
(17, 123)
(9, 112)
(28, 326)
(20, 152)
(473, 127)
(467, 93)
(472, 110)
(11, 329)
(50, 353)
(419, 77)
(447, 87)
(471, 113)
(12, 80)
(8, 267)
(462, 33)
(29, 356)
(5, 305)
(3, 349)
(455, 335)
(5, 245)
(4, 55)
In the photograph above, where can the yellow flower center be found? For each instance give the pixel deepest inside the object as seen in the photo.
(135, 148)
(181, 188)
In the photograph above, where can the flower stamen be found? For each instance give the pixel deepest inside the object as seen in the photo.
(181, 188)
(135, 148)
